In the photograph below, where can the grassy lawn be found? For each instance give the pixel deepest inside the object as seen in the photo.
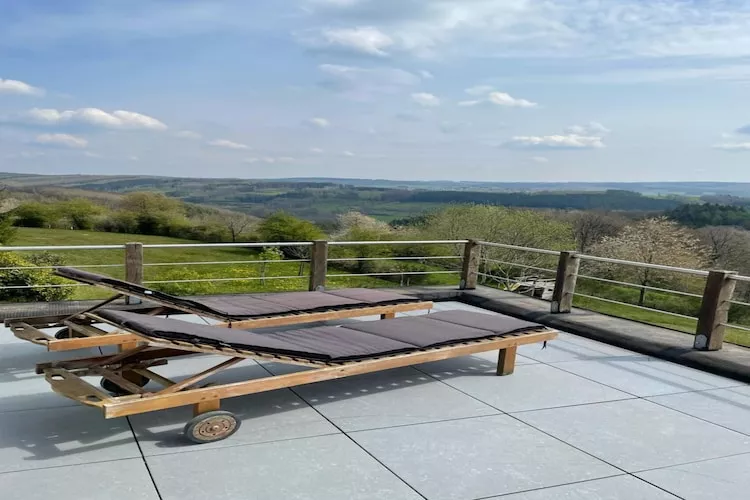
(685, 325)
(298, 272)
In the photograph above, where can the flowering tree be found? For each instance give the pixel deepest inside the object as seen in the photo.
(653, 241)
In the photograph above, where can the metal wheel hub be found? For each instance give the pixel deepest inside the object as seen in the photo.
(214, 427)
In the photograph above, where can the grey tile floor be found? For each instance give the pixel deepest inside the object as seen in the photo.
(578, 420)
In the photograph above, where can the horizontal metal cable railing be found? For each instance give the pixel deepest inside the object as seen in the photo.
(616, 284)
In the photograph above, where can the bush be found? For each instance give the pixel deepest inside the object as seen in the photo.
(33, 214)
(30, 277)
(80, 213)
(7, 231)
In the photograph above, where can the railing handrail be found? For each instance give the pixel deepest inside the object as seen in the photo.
(516, 247)
(399, 242)
(43, 248)
(658, 267)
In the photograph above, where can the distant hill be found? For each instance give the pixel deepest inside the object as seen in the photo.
(321, 199)
(130, 182)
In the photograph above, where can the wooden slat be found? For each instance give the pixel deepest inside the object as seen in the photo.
(116, 408)
(87, 330)
(153, 354)
(328, 315)
(120, 357)
(87, 342)
(27, 332)
(152, 375)
(178, 386)
(119, 380)
(94, 307)
(70, 385)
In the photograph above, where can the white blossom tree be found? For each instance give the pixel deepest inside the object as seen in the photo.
(653, 241)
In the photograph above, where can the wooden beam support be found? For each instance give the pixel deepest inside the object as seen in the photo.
(318, 265)
(183, 384)
(206, 406)
(119, 408)
(565, 282)
(506, 360)
(714, 311)
(470, 265)
(133, 267)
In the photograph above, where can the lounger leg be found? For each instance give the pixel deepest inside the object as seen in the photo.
(389, 315)
(206, 406)
(506, 360)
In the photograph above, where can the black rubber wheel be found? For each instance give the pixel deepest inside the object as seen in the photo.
(211, 426)
(64, 333)
(115, 389)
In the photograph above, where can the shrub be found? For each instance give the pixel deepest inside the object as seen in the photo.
(34, 214)
(30, 277)
(80, 213)
(7, 231)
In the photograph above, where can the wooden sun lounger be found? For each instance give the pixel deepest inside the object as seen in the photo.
(375, 346)
(232, 311)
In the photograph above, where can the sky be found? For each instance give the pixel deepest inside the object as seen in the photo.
(481, 90)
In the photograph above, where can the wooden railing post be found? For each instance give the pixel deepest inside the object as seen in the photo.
(133, 267)
(565, 282)
(470, 265)
(318, 265)
(714, 312)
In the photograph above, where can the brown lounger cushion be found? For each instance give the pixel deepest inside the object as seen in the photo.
(431, 330)
(355, 340)
(324, 343)
(248, 306)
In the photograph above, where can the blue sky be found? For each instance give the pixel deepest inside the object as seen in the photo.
(496, 90)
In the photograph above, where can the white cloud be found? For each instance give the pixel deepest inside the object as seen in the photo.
(133, 158)
(540, 28)
(363, 83)
(503, 99)
(91, 154)
(425, 99)
(488, 95)
(540, 159)
(225, 143)
(270, 160)
(570, 141)
(744, 130)
(319, 122)
(478, 90)
(317, 151)
(188, 134)
(94, 117)
(425, 74)
(592, 128)
(18, 87)
(363, 39)
(733, 146)
(347, 153)
(63, 140)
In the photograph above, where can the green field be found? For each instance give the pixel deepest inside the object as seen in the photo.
(296, 272)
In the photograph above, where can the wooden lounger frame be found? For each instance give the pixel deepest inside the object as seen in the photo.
(65, 376)
(90, 336)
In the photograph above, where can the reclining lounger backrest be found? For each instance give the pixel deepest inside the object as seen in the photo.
(246, 306)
